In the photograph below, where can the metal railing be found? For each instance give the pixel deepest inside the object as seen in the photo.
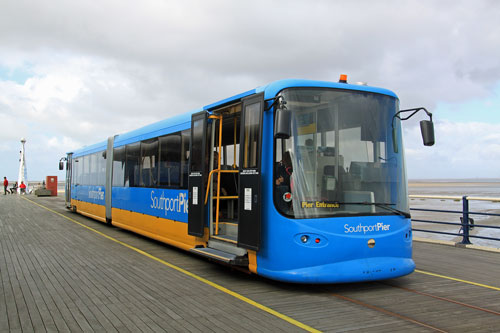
(466, 223)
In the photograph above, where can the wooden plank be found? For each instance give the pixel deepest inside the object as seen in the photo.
(22, 311)
(71, 286)
(41, 315)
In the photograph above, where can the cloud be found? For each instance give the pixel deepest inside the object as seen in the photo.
(462, 150)
(98, 69)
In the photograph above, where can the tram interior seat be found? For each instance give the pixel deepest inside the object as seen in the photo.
(371, 176)
(326, 151)
(359, 197)
(326, 175)
(169, 172)
(320, 163)
(371, 171)
(332, 188)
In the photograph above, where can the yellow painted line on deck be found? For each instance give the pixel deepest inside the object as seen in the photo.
(194, 276)
(459, 280)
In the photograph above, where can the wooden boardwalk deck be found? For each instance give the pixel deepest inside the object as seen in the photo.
(57, 275)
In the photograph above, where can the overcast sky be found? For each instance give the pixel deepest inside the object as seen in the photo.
(73, 73)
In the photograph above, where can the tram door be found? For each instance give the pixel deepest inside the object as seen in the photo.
(249, 212)
(234, 175)
(230, 167)
(196, 182)
(109, 177)
(69, 171)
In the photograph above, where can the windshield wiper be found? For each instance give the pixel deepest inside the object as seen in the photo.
(386, 206)
(394, 210)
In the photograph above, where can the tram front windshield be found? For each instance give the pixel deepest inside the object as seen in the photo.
(340, 159)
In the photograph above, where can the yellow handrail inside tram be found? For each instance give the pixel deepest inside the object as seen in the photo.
(218, 197)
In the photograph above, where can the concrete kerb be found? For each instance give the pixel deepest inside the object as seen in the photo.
(450, 243)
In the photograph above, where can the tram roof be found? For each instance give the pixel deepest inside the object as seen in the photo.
(275, 87)
(183, 121)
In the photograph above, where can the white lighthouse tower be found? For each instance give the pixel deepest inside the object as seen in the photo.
(23, 172)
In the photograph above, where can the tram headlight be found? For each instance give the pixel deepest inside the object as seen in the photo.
(310, 240)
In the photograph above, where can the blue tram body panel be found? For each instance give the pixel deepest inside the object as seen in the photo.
(342, 254)
(164, 203)
(94, 194)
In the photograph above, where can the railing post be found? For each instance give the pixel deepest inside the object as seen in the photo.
(465, 221)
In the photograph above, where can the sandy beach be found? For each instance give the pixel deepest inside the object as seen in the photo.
(489, 188)
(418, 184)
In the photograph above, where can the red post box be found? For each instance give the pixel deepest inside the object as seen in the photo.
(51, 184)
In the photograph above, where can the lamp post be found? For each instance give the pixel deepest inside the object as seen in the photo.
(23, 172)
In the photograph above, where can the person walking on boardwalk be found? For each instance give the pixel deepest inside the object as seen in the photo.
(5, 184)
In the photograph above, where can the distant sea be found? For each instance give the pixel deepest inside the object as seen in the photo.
(476, 187)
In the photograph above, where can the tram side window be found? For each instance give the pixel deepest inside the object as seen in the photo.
(86, 170)
(149, 163)
(170, 160)
(119, 166)
(101, 168)
(251, 137)
(196, 162)
(93, 169)
(77, 162)
(73, 171)
(80, 170)
(186, 136)
(132, 164)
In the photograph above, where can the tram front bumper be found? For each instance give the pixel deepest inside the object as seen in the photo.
(367, 269)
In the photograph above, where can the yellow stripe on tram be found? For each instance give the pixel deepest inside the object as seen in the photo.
(459, 280)
(194, 276)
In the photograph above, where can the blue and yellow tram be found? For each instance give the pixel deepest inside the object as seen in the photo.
(299, 181)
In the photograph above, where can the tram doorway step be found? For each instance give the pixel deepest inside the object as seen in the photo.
(218, 255)
(228, 229)
(226, 247)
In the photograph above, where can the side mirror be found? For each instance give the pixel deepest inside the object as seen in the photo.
(282, 124)
(61, 165)
(427, 129)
